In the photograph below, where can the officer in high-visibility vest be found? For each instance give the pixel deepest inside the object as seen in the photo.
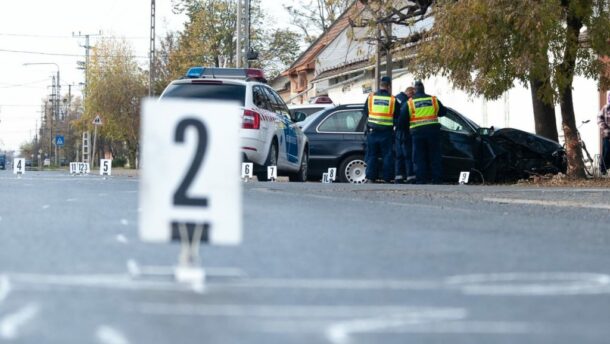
(380, 109)
(403, 160)
(420, 114)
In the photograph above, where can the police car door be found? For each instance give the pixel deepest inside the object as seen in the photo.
(289, 132)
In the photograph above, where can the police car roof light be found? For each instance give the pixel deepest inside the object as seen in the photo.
(257, 74)
(195, 72)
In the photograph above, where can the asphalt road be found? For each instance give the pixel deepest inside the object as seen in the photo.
(320, 263)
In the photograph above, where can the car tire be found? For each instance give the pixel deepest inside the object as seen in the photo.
(352, 169)
(301, 175)
(271, 161)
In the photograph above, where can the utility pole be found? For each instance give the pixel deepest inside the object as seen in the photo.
(247, 37)
(151, 68)
(87, 47)
(378, 60)
(238, 55)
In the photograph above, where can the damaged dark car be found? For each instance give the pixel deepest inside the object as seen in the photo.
(505, 155)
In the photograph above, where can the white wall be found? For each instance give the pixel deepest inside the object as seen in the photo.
(514, 109)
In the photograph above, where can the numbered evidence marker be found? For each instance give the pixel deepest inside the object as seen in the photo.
(332, 173)
(19, 166)
(464, 176)
(272, 173)
(246, 170)
(326, 178)
(79, 168)
(190, 172)
(105, 167)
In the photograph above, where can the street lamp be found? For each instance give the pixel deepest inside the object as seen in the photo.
(56, 100)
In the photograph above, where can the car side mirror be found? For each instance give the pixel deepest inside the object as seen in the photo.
(298, 116)
(485, 131)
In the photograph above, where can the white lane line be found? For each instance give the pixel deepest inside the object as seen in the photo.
(108, 335)
(124, 222)
(0, 218)
(110, 281)
(5, 288)
(122, 239)
(532, 284)
(286, 311)
(10, 324)
(341, 332)
(71, 199)
(342, 284)
(562, 204)
(46, 206)
(102, 194)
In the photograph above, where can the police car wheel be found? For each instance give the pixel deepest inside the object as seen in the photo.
(271, 161)
(353, 169)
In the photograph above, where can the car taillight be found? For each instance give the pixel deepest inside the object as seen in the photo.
(251, 120)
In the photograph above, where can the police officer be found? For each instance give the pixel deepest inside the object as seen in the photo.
(420, 114)
(381, 109)
(403, 162)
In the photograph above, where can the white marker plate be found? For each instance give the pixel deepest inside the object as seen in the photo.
(246, 170)
(464, 176)
(326, 178)
(271, 172)
(105, 167)
(19, 166)
(332, 173)
(190, 170)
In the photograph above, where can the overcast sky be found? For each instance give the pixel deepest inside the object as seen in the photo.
(41, 31)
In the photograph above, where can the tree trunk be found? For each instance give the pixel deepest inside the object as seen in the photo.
(565, 71)
(544, 113)
(576, 167)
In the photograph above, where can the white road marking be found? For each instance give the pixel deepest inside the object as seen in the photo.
(124, 222)
(71, 199)
(562, 204)
(10, 324)
(342, 284)
(532, 284)
(133, 268)
(5, 287)
(108, 335)
(0, 218)
(46, 206)
(102, 194)
(341, 332)
(110, 281)
(285, 311)
(122, 239)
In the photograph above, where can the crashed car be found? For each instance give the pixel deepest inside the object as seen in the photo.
(337, 139)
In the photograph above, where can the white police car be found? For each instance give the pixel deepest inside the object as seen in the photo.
(269, 134)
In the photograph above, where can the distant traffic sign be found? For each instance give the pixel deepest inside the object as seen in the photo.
(59, 140)
(97, 120)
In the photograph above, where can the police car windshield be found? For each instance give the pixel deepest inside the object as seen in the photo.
(216, 91)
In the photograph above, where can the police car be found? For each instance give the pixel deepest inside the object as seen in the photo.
(269, 134)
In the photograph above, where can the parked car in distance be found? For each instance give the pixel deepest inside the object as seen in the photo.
(337, 139)
(3, 161)
(308, 109)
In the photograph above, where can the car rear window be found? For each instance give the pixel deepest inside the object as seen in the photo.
(211, 91)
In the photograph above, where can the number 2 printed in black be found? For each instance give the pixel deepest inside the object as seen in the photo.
(180, 196)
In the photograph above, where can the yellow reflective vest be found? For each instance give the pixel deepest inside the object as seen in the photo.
(424, 111)
(381, 110)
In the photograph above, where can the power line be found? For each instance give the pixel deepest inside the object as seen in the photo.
(25, 35)
(59, 54)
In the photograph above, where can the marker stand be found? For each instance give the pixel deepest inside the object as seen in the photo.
(189, 270)
(19, 174)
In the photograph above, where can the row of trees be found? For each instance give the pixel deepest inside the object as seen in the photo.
(486, 47)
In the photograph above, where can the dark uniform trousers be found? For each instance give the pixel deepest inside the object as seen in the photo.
(404, 154)
(379, 143)
(427, 154)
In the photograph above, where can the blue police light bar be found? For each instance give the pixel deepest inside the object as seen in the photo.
(226, 73)
(195, 72)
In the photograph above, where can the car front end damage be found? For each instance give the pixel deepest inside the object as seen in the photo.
(517, 154)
